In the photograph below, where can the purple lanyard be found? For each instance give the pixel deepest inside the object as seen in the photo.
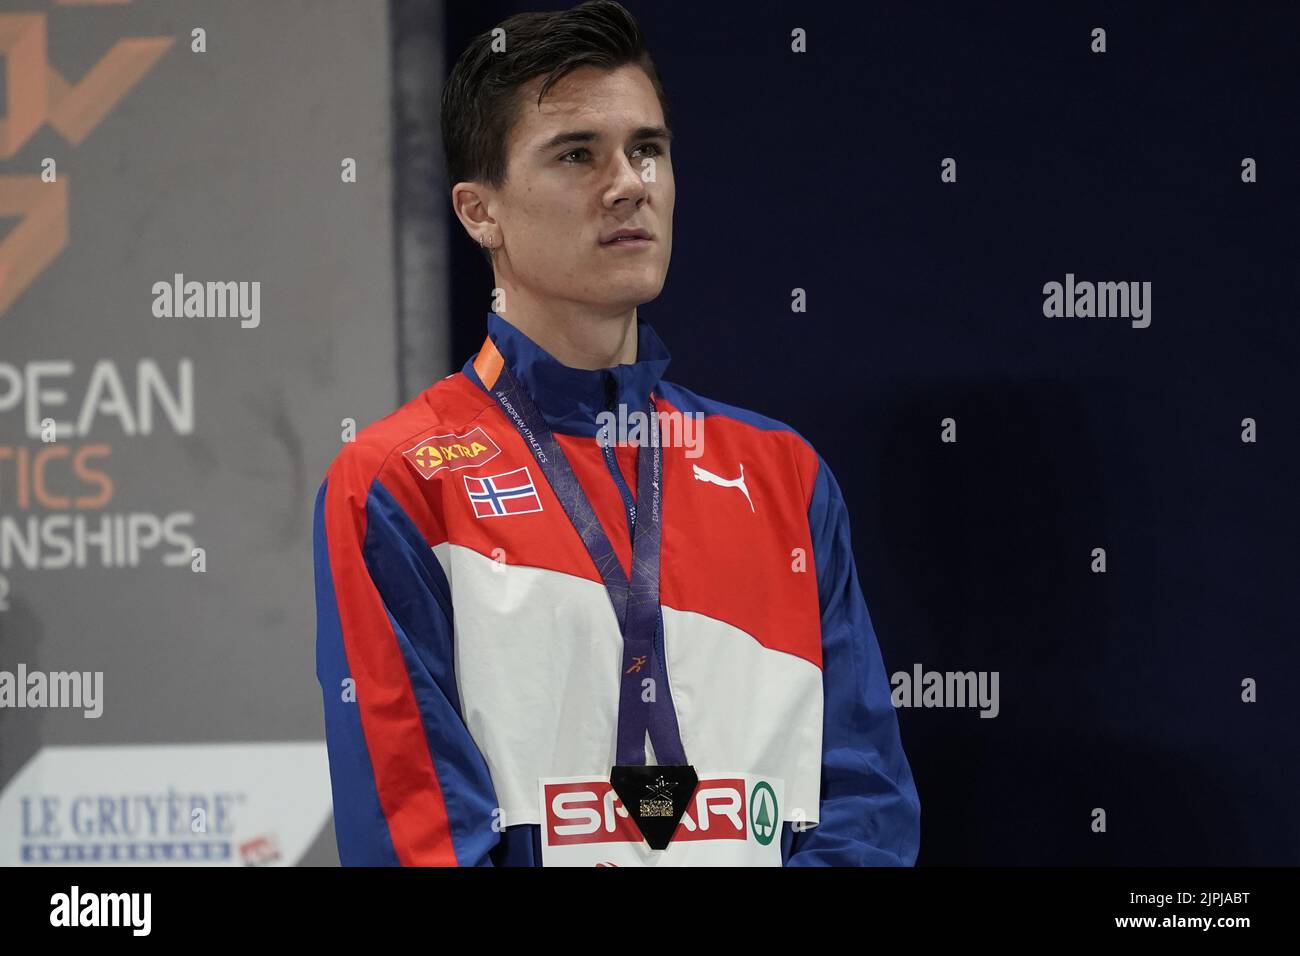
(636, 603)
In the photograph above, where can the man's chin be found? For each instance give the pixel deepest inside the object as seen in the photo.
(630, 291)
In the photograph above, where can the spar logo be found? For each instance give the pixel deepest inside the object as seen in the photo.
(436, 453)
(591, 812)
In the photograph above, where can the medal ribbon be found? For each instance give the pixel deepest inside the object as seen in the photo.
(635, 602)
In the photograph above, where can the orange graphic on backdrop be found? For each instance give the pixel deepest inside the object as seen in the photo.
(36, 94)
(38, 238)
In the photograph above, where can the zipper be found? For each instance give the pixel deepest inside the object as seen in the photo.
(611, 461)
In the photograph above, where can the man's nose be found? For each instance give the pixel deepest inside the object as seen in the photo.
(627, 183)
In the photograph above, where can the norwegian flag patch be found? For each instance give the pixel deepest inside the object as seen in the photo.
(509, 493)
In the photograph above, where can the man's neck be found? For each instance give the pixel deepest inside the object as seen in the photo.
(576, 338)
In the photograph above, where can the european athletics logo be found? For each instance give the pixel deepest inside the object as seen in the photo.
(509, 493)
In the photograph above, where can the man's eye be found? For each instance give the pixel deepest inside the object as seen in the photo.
(654, 146)
(571, 152)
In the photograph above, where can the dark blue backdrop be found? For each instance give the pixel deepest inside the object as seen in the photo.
(821, 171)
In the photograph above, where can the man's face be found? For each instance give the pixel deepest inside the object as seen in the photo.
(592, 160)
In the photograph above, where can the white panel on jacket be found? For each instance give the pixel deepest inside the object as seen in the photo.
(538, 654)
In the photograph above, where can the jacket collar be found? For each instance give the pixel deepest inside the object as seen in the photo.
(569, 398)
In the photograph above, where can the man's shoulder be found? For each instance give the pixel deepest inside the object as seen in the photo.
(684, 400)
(445, 410)
(739, 430)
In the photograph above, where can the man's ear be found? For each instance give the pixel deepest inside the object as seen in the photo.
(470, 201)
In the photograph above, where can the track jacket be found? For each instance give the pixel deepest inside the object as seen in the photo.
(467, 648)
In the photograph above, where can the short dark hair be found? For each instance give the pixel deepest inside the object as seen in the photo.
(480, 102)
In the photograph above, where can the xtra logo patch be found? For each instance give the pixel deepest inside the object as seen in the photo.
(509, 493)
(448, 452)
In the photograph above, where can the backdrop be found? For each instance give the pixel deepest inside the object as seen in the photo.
(173, 143)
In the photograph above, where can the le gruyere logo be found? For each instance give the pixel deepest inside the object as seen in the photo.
(448, 452)
(36, 94)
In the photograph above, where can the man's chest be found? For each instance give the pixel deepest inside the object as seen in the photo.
(734, 538)
(538, 650)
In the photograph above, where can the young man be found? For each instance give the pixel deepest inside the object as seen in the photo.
(539, 644)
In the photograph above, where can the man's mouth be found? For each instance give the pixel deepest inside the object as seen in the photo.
(630, 237)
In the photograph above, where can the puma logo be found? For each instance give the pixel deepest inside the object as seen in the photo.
(710, 477)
